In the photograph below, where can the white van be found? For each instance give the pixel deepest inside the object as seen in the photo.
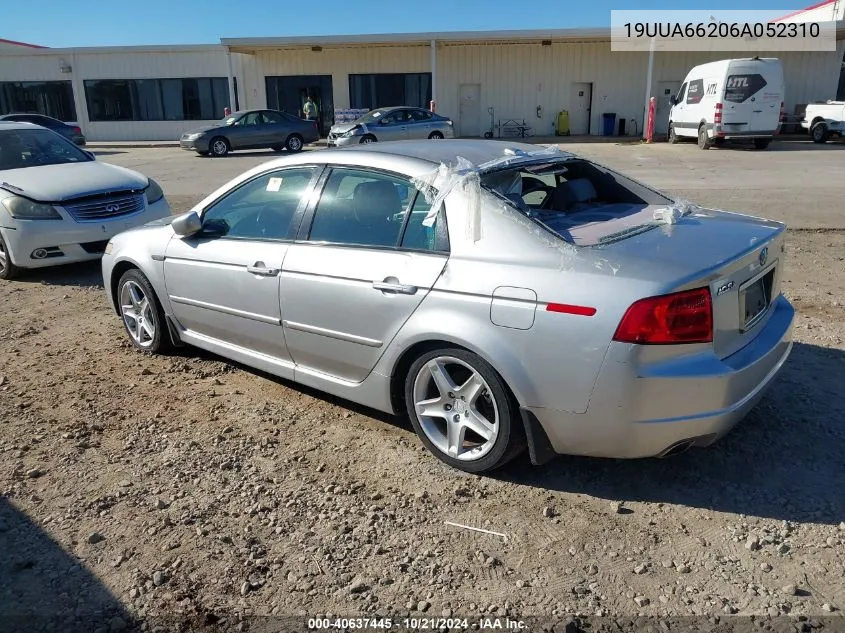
(727, 99)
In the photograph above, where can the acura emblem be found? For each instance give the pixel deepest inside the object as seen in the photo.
(764, 254)
(112, 208)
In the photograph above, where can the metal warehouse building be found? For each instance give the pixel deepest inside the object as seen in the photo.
(477, 78)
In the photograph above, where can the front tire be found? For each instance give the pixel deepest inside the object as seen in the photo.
(672, 137)
(368, 138)
(703, 139)
(7, 269)
(218, 147)
(819, 133)
(436, 135)
(462, 410)
(141, 313)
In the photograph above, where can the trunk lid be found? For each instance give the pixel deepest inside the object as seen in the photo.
(740, 258)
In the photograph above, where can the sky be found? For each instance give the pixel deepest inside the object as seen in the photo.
(75, 23)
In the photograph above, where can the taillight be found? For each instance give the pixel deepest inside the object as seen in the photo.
(680, 317)
(77, 130)
(717, 115)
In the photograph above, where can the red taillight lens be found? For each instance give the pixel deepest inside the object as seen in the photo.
(681, 317)
(717, 115)
(77, 130)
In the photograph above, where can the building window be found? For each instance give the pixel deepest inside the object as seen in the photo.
(51, 98)
(157, 99)
(389, 89)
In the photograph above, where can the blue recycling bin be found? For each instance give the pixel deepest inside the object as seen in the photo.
(609, 120)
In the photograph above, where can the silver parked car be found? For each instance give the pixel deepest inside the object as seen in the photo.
(251, 129)
(392, 124)
(502, 295)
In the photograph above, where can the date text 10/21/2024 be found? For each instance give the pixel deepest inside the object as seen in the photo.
(418, 624)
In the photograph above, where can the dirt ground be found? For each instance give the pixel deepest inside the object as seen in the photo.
(189, 488)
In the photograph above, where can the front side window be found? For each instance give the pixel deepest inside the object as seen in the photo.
(262, 208)
(681, 94)
(696, 91)
(35, 148)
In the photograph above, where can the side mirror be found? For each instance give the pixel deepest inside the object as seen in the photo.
(673, 100)
(187, 224)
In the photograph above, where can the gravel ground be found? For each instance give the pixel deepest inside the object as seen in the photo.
(187, 489)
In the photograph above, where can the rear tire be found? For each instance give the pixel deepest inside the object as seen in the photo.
(761, 143)
(472, 421)
(703, 140)
(218, 147)
(141, 313)
(672, 137)
(820, 133)
(7, 269)
(294, 143)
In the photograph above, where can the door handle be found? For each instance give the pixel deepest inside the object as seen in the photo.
(386, 286)
(258, 268)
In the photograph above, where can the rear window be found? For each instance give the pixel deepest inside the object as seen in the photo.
(740, 88)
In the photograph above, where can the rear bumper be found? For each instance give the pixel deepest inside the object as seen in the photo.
(698, 398)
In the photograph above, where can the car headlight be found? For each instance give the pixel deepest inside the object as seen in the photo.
(352, 131)
(109, 247)
(153, 192)
(194, 136)
(25, 209)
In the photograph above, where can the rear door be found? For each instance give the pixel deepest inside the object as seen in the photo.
(364, 262)
(752, 97)
(275, 128)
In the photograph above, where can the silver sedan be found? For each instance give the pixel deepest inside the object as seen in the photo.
(503, 296)
(392, 124)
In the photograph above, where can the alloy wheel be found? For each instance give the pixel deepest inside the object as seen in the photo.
(138, 313)
(4, 258)
(294, 144)
(456, 408)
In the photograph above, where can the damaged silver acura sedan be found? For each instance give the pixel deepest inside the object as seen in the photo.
(505, 296)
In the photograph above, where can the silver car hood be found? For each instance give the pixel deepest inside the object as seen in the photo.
(54, 183)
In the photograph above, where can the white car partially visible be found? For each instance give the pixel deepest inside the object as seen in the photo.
(59, 205)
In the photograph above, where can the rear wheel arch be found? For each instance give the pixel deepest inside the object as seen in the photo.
(407, 358)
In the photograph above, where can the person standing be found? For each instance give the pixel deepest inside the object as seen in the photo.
(311, 112)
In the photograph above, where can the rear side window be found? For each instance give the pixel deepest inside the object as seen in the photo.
(740, 88)
(695, 92)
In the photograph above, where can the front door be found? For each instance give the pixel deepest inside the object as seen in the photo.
(393, 126)
(248, 132)
(469, 110)
(363, 266)
(223, 283)
(665, 91)
(580, 105)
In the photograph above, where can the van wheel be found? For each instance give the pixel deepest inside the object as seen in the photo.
(672, 137)
(819, 133)
(761, 143)
(703, 140)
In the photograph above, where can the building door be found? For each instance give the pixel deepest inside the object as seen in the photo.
(665, 89)
(580, 105)
(289, 93)
(469, 110)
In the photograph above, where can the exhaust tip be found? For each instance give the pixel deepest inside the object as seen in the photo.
(678, 448)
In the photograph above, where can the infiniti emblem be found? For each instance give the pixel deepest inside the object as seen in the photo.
(763, 255)
(112, 208)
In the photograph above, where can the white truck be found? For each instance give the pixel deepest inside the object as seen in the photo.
(823, 120)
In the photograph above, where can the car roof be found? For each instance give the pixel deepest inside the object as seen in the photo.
(447, 151)
(18, 125)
